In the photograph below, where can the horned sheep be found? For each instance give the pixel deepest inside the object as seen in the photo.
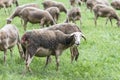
(44, 43)
(69, 28)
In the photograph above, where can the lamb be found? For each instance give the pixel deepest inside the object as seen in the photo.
(8, 3)
(74, 2)
(68, 28)
(44, 43)
(55, 12)
(35, 15)
(49, 3)
(91, 3)
(73, 15)
(9, 37)
(17, 11)
(107, 12)
(116, 4)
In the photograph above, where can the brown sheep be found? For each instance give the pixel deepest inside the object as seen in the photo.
(74, 2)
(35, 15)
(91, 3)
(44, 43)
(8, 3)
(50, 3)
(55, 12)
(73, 15)
(16, 12)
(68, 28)
(116, 4)
(107, 12)
(9, 37)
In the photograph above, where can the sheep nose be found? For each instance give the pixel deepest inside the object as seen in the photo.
(77, 43)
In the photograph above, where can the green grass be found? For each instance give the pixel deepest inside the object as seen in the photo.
(99, 57)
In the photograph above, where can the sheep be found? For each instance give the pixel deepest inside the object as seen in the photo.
(49, 3)
(91, 3)
(73, 15)
(9, 37)
(8, 3)
(74, 2)
(55, 12)
(105, 12)
(35, 15)
(116, 4)
(16, 12)
(68, 28)
(44, 43)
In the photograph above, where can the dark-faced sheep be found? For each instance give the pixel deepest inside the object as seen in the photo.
(69, 28)
(50, 3)
(116, 4)
(73, 15)
(35, 15)
(9, 37)
(17, 11)
(55, 12)
(44, 43)
(75, 2)
(105, 12)
(8, 3)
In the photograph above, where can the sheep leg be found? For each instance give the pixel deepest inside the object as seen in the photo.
(5, 51)
(111, 22)
(42, 22)
(57, 59)
(5, 9)
(16, 2)
(11, 52)
(20, 49)
(106, 21)
(96, 17)
(24, 25)
(76, 53)
(47, 61)
(72, 55)
(28, 61)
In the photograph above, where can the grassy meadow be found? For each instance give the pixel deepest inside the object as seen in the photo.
(99, 57)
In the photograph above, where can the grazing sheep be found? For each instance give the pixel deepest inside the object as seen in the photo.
(107, 12)
(7, 3)
(44, 43)
(68, 28)
(35, 15)
(9, 37)
(50, 3)
(16, 12)
(73, 15)
(74, 2)
(116, 4)
(54, 11)
(91, 3)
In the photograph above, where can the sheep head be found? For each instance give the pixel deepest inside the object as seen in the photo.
(77, 37)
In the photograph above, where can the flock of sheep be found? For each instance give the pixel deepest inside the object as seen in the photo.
(52, 40)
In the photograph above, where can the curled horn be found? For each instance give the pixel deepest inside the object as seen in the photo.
(83, 36)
